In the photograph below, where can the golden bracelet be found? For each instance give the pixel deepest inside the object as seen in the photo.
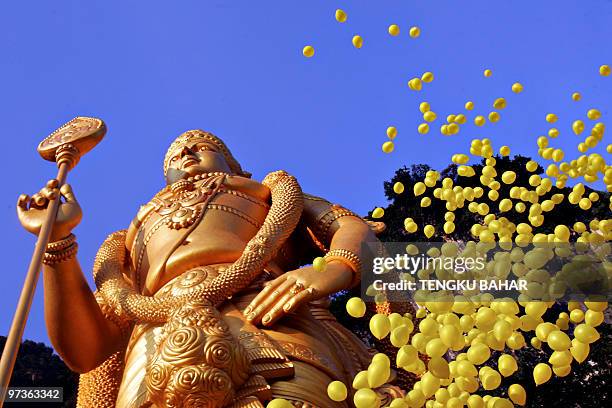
(350, 259)
(61, 244)
(53, 258)
(326, 220)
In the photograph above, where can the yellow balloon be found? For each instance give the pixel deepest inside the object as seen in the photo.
(361, 380)
(415, 32)
(487, 73)
(490, 379)
(438, 366)
(424, 107)
(388, 147)
(478, 353)
(398, 188)
(308, 51)
(596, 306)
(378, 212)
(593, 114)
(399, 336)
(391, 132)
(466, 368)
(415, 398)
(479, 120)
(494, 117)
(576, 96)
(319, 264)
(562, 371)
(357, 41)
(336, 390)
(499, 103)
(475, 401)
(427, 77)
(419, 188)
(378, 374)
(279, 403)
(356, 307)
(406, 355)
(398, 403)
(429, 384)
(558, 340)
(578, 127)
(429, 230)
(517, 394)
(380, 326)
(429, 116)
(341, 16)
(604, 70)
(580, 351)
(576, 316)
(435, 348)
(508, 177)
(394, 30)
(586, 334)
(593, 318)
(366, 398)
(507, 365)
(517, 88)
(541, 373)
(560, 358)
(502, 330)
(449, 334)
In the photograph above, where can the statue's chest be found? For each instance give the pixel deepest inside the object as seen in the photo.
(188, 222)
(168, 219)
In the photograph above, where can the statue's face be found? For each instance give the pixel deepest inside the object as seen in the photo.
(197, 157)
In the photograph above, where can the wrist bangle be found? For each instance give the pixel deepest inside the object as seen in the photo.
(350, 259)
(53, 258)
(61, 244)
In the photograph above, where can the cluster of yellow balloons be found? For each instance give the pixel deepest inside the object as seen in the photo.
(416, 83)
(471, 327)
(527, 199)
(341, 17)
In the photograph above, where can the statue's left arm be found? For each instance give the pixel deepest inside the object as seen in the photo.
(341, 234)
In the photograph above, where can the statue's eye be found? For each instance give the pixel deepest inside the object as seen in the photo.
(204, 147)
(174, 159)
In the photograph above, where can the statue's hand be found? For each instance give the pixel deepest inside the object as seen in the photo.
(292, 289)
(32, 211)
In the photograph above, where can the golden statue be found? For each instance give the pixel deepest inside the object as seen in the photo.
(204, 300)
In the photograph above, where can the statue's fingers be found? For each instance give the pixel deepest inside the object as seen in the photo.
(22, 205)
(299, 299)
(269, 300)
(52, 184)
(22, 202)
(67, 193)
(38, 201)
(267, 289)
(278, 310)
(49, 193)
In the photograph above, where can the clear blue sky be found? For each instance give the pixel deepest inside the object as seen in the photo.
(152, 69)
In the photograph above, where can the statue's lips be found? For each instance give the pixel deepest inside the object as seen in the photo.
(189, 163)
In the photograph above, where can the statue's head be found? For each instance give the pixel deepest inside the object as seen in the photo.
(198, 152)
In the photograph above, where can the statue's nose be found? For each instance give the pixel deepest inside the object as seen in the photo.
(185, 151)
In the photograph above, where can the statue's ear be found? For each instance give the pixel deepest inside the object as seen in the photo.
(174, 175)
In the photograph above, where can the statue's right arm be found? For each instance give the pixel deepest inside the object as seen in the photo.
(77, 327)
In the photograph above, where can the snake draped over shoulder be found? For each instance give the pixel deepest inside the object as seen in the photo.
(128, 304)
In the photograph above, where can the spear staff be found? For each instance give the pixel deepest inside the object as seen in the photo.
(65, 147)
